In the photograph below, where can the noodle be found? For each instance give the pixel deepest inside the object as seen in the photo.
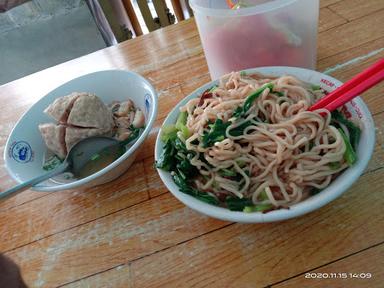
(274, 153)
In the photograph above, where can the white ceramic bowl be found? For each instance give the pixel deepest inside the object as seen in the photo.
(358, 110)
(25, 148)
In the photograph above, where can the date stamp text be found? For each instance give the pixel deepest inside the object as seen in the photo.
(338, 275)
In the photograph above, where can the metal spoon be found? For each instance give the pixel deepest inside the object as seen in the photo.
(90, 150)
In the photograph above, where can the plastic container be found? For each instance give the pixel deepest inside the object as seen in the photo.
(265, 33)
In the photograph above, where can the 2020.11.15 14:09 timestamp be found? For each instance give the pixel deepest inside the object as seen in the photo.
(339, 275)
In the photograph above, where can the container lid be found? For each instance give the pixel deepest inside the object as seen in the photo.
(219, 8)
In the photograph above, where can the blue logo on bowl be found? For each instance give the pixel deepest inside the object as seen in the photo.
(21, 152)
(147, 103)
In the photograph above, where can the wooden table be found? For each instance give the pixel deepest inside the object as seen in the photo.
(133, 233)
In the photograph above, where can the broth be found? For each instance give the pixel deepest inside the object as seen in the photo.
(100, 161)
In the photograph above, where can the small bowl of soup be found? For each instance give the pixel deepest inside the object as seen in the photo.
(113, 103)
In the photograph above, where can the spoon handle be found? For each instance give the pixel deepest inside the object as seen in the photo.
(25, 185)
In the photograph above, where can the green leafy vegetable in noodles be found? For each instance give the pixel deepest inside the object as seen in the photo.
(315, 87)
(186, 188)
(257, 208)
(167, 158)
(315, 191)
(239, 130)
(241, 110)
(334, 165)
(237, 204)
(354, 131)
(215, 134)
(350, 154)
(238, 112)
(227, 173)
(176, 159)
(278, 93)
(181, 124)
(251, 98)
(168, 132)
(263, 196)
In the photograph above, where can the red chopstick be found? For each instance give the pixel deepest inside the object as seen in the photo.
(352, 88)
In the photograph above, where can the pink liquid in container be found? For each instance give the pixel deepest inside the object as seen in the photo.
(259, 33)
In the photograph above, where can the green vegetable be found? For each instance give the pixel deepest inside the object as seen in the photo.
(181, 124)
(238, 112)
(52, 163)
(216, 133)
(263, 196)
(334, 165)
(237, 204)
(168, 132)
(167, 158)
(257, 208)
(181, 119)
(135, 133)
(251, 98)
(311, 145)
(176, 159)
(241, 163)
(185, 167)
(179, 145)
(107, 152)
(227, 173)
(96, 156)
(119, 150)
(185, 187)
(350, 154)
(315, 87)
(239, 130)
(354, 131)
(215, 185)
(241, 110)
(278, 93)
(202, 159)
(185, 131)
(315, 191)
(175, 156)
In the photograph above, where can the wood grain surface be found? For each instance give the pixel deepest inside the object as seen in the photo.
(133, 233)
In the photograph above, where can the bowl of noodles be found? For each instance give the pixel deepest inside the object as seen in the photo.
(245, 148)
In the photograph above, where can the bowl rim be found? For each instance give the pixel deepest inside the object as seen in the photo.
(131, 150)
(351, 174)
